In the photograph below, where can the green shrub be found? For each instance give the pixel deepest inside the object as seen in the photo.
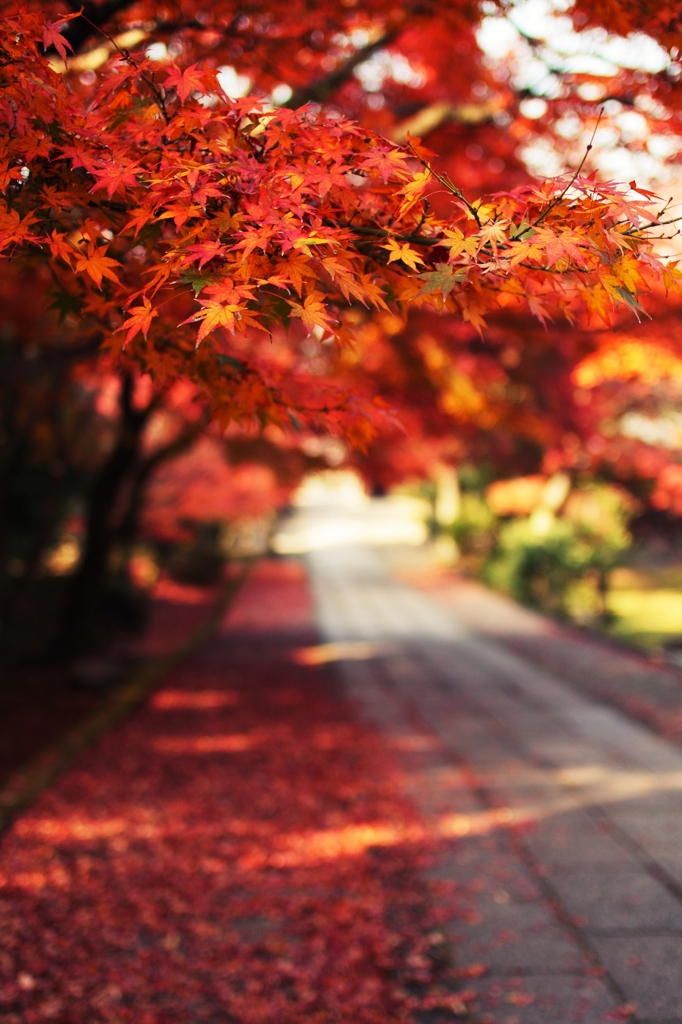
(537, 568)
(539, 559)
(475, 527)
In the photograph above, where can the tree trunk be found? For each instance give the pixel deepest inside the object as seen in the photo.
(129, 523)
(82, 624)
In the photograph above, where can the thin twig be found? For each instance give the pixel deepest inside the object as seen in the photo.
(386, 233)
(447, 184)
(125, 54)
(571, 183)
(321, 90)
(651, 224)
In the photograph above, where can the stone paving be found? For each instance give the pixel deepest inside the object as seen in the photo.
(594, 664)
(561, 814)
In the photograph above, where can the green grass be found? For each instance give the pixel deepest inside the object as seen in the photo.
(646, 617)
(645, 605)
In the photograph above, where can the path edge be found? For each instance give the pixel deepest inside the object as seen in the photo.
(26, 784)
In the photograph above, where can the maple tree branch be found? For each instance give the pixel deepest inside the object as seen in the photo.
(128, 525)
(53, 359)
(447, 184)
(386, 233)
(125, 54)
(537, 44)
(652, 224)
(79, 31)
(552, 270)
(555, 202)
(431, 117)
(321, 90)
(429, 241)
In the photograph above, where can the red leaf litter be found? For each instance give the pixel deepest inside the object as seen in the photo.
(238, 851)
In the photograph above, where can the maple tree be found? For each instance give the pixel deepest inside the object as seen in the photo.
(239, 480)
(510, 398)
(257, 218)
(284, 256)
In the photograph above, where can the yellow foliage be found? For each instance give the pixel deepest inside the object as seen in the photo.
(628, 359)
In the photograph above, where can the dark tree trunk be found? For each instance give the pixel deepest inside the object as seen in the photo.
(31, 395)
(129, 523)
(82, 624)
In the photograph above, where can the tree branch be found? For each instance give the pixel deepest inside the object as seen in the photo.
(128, 524)
(320, 91)
(81, 30)
(385, 233)
(434, 115)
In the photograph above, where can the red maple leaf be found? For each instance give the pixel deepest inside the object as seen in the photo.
(52, 36)
(204, 252)
(115, 177)
(192, 79)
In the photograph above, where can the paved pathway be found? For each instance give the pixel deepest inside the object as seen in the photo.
(596, 665)
(565, 815)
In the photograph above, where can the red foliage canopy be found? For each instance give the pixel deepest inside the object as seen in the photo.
(182, 227)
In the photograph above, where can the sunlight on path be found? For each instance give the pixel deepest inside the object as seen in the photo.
(333, 510)
(245, 848)
(569, 812)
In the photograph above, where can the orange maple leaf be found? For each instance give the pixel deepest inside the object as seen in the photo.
(60, 246)
(473, 315)
(494, 233)
(221, 314)
(97, 265)
(303, 243)
(403, 252)
(371, 292)
(521, 251)
(214, 314)
(413, 191)
(313, 312)
(139, 218)
(597, 301)
(295, 269)
(627, 271)
(457, 242)
(538, 308)
(140, 320)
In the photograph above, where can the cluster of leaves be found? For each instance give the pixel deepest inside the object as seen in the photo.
(152, 193)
